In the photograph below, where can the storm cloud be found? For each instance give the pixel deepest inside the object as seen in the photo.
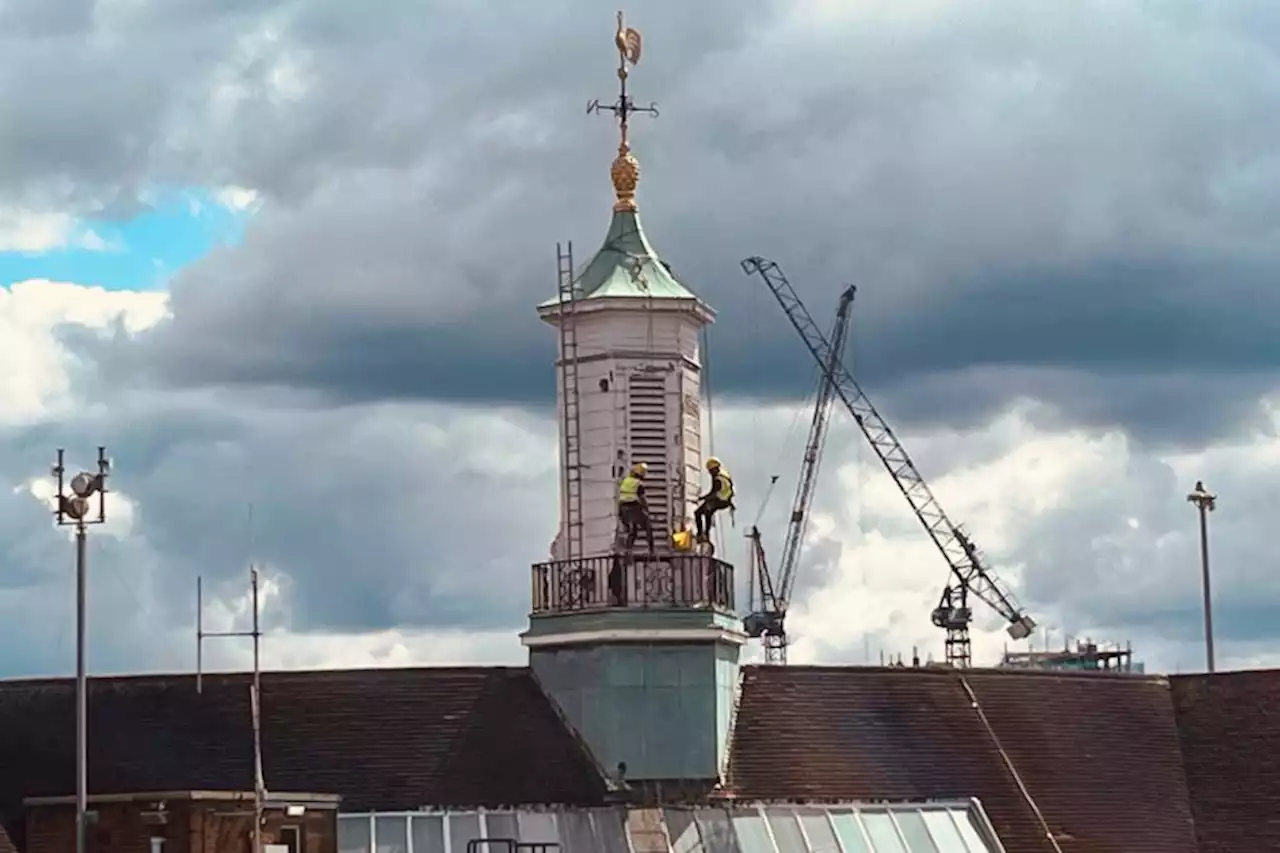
(1061, 220)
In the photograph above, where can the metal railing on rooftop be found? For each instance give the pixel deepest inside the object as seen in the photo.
(598, 583)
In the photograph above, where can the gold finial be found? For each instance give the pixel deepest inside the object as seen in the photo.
(625, 170)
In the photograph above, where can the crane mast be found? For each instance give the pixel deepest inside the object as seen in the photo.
(798, 522)
(769, 620)
(969, 575)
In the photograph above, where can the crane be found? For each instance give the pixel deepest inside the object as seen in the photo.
(768, 621)
(968, 572)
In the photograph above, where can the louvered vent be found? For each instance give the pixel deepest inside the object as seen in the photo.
(647, 440)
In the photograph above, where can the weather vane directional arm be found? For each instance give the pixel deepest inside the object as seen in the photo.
(628, 41)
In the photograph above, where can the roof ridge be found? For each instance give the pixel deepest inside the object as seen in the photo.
(138, 677)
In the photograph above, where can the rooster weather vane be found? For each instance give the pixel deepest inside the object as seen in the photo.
(628, 41)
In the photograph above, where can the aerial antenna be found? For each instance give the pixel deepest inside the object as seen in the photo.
(255, 687)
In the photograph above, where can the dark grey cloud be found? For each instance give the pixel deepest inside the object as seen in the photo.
(375, 518)
(1011, 203)
(1073, 206)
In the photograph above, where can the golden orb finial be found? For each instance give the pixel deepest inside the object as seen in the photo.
(625, 173)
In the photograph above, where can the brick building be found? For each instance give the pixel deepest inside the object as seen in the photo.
(183, 822)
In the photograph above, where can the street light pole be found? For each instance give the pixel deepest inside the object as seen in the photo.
(73, 510)
(1205, 503)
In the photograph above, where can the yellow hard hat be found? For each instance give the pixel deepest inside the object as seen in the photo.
(682, 540)
(712, 463)
(640, 469)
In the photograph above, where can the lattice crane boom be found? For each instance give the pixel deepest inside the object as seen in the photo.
(798, 522)
(767, 618)
(955, 546)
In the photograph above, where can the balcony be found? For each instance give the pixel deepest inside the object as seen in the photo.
(679, 581)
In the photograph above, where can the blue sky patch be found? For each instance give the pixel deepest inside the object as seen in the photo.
(143, 253)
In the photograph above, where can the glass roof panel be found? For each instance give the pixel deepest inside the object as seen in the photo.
(849, 831)
(536, 827)
(682, 830)
(496, 825)
(786, 830)
(353, 835)
(575, 833)
(753, 835)
(391, 834)
(881, 831)
(428, 833)
(950, 827)
(942, 830)
(716, 829)
(817, 829)
(969, 832)
(911, 826)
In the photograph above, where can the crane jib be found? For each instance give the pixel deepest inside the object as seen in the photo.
(951, 541)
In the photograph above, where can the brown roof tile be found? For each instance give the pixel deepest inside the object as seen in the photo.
(1229, 724)
(1099, 754)
(387, 738)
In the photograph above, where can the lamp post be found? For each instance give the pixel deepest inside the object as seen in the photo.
(73, 510)
(1205, 503)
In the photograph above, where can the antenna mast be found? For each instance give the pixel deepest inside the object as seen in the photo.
(255, 690)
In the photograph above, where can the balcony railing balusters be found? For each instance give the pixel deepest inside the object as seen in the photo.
(596, 583)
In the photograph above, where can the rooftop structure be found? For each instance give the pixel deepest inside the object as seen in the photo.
(1087, 656)
(639, 652)
(1142, 764)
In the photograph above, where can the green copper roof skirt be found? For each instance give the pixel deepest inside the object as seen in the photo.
(626, 266)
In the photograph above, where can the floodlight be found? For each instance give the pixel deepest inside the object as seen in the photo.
(76, 507)
(84, 484)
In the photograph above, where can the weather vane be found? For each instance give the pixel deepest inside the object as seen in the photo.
(625, 170)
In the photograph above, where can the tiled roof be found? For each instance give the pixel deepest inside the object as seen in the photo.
(385, 738)
(1113, 764)
(1229, 724)
(1099, 755)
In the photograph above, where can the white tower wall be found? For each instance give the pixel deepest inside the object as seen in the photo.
(639, 381)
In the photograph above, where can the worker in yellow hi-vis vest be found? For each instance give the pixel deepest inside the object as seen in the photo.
(719, 497)
(633, 511)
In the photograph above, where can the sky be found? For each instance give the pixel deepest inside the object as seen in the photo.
(282, 260)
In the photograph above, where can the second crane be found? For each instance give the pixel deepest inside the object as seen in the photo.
(969, 575)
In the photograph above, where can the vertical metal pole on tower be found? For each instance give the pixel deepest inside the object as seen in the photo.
(1205, 503)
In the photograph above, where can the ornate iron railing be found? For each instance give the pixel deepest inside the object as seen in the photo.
(596, 583)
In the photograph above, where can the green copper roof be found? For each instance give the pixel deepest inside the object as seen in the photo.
(626, 265)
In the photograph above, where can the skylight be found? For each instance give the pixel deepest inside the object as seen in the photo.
(916, 828)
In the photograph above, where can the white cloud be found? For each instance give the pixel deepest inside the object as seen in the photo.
(1091, 531)
(30, 312)
(29, 231)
